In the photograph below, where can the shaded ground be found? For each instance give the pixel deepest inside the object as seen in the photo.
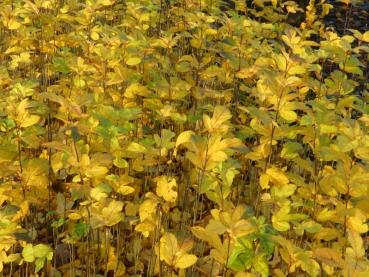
(343, 17)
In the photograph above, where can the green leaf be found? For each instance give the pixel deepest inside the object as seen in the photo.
(8, 152)
(39, 264)
(61, 65)
(241, 258)
(291, 150)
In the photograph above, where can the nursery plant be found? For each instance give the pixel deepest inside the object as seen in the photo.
(183, 138)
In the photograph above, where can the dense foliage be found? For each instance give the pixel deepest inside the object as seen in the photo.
(182, 138)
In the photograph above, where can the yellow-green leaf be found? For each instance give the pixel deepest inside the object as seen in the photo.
(133, 61)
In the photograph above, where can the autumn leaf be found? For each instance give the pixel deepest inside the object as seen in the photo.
(112, 214)
(166, 187)
(133, 61)
(216, 124)
(173, 255)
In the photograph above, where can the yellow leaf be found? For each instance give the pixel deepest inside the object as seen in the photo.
(281, 225)
(242, 228)
(13, 24)
(47, 4)
(112, 213)
(125, 190)
(326, 129)
(168, 248)
(216, 123)
(246, 73)
(264, 181)
(166, 188)
(327, 234)
(131, 209)
(326, 215)
(96, 171)
(280, 192)
(329, 256)
(145, 228)
(122, 185)
(281, 62)
(29, 121)
(184, 137)
(147, 208)
(365, 37)
(288, 115)
(357, 249)
(281, 217)
(210, 32)
(216, 226)
(74, 216)
(133, 61)
(35, 173)
(106, 2)
(277, 176)
(23, 211)
(136, 89)
(245, 274)
(208, 236)
(95, 35)
(173, 255)
(358, 223)
(136, 148)
(185, 260)
(99, 192)
(296, 69)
